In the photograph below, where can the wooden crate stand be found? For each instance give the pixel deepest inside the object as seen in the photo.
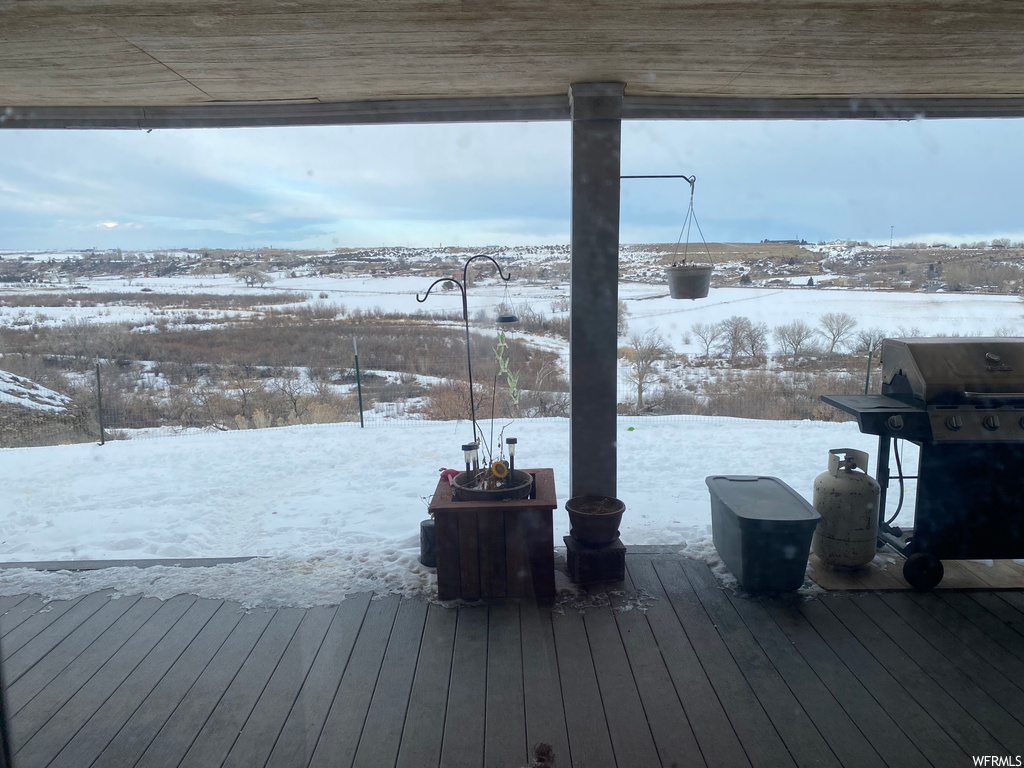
(495, 548)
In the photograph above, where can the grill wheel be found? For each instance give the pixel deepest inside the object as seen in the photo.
(923, 571)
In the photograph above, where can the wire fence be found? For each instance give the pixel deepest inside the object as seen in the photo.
(60, 399)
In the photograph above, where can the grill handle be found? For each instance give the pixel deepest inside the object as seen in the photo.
(1000, 398)
(995, 396)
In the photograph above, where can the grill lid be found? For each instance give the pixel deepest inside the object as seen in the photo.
(954, 371)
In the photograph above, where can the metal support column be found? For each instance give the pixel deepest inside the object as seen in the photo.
(596, 111)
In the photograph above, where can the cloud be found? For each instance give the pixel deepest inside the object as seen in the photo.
(471, 184)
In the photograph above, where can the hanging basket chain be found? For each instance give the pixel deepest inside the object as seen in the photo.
(688, 221)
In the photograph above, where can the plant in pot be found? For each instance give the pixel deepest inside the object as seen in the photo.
(490, 477)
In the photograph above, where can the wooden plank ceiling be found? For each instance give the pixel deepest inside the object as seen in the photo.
(118, 53)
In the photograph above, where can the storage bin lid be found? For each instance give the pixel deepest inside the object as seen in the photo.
(762, 500)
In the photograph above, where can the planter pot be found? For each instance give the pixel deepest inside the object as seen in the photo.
(690, 281)
(520, 487)
(594, 519)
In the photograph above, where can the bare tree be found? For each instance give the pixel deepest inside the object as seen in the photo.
(793, 337)
(734, 334)
(836, 328)
(253, 275)
(708, 333)
(620, 318)
(869, 340)
(755, 341)
(642, 354)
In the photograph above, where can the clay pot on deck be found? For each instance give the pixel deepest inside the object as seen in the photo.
(594, 519)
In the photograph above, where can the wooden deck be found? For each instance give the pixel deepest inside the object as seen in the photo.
(671, 670)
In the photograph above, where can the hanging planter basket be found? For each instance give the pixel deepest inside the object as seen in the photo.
(689, 281)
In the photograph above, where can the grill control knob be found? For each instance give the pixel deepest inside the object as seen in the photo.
(992, 357)
(954, 423)
(895, 423)
(990, 422)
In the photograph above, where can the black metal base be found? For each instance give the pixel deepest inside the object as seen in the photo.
(589, 563)
(970, 501)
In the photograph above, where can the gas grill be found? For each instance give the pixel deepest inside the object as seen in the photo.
(962, 402)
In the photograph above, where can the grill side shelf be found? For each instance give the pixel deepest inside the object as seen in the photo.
(886, 416)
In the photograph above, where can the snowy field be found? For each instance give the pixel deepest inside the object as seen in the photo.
(336, 509)
(648, 305)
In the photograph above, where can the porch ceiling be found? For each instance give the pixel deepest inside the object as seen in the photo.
(180, 53)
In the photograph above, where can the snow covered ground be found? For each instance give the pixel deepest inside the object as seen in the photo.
(335, 509)
(648, 304)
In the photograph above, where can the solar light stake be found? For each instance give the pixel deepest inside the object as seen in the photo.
(510, 443)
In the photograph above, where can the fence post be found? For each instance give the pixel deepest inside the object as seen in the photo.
(359, 384)
(99, 402)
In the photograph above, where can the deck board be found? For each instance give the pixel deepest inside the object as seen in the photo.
(129, 695)
(53, 680)
(793, 723)
(382, 731)
(904, 710)
(542, 690)
(667, 668)
(761, 742)
(182, 727)
(959, 676)
(47, 630)
(463, 743)
(30, 617)
(894, 746)
(257, 738)
(428, 700)
(340, 736)
(673, 735)
(505, 707)
(42, 734)
(139, 730)
(297, 741)
(44, 660)
(627, 720)
(836, 727)
(589, 740)
(940, 704)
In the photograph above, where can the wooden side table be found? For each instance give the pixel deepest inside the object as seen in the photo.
(495, 548)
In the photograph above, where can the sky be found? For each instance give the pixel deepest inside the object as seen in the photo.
(506, 184)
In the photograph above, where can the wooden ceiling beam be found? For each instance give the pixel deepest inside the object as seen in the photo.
(512, 109)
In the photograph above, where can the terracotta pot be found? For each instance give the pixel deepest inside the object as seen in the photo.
(595, 519)
(520, 487)
(690, 281)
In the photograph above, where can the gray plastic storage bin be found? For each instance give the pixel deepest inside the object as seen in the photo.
(762, 529)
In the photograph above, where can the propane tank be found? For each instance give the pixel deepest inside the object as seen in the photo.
(846, 497)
